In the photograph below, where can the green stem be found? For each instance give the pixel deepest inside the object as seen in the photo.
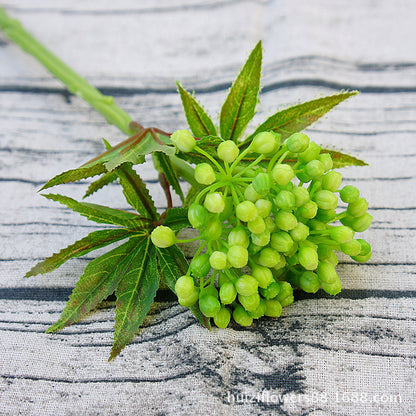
(76, 84)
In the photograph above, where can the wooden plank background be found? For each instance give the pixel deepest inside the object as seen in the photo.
(349, 355)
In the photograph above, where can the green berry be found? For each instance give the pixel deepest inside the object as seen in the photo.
(270, 225)
(271, 291)
(204, 174)
(351, 248)
(282, 174)
(261, 239)
(327, 273)
(326, 160)
(358, 207)
(286, 221)
(308, 257)
(259, 311)
(300, 232)
(222, 318)
(184, 286)
(228, 151)
(314, 169)
(262, 183)
(362, 258)
(241, 316)
(285, 200)
(200, 265)
(214, 202)
(263, 275)
(308, 210)
(326, 215)
(237, 256)
(297, 142)
(218, 260)
(331, 181)
(301, 196)
(250, 194)
(269, 257)
(228, 293)
(212, 230)
(256, 226)
(264, 207)
(273, 308)
(163, 237)
(309, 282)
(332, 288)
(281, 241)
(209, 305)
(349, 194)
(249, 303)
(326, 199)
(189, 300)
(238, 237)
(198, 215)
(365, 247)
(183, 140)
(246, 211)
(246, 285)
(341, 234)
(311, 153)
(265, 142)
(285, 296)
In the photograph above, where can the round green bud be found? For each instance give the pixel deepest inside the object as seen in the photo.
(261, 239)
(259, 311)
(238, 237)
(250, 194)
(351, 248)
(269, 257)
(212, 230)
(163, 237)
(264, 207)
(241, 316)
(301, 196)
(281, 241)
(273, 308)
(189, 300)
(311, 153)
(326, 215)
(316, 225)
(228, 151)
(286, 221)
(285, 296)
(331, 181)
(263, 275)
(362, 258)
(300, 232)
(237, 256)
(362, 223)
(314, 169)
(222, 318)
(308, 258)
(332, 288)
(271, 291)
(324, 252)
(285, 200)
(218, 260)
(365, 247)
(349, 194)
(249, 303)
(228, 293)
(309, 282)
(265, 142)
(326, 160)
(197, 215)
(341, 234)
(256, 226)
(209, 290)
(326, 199)
(246, 211)
(358, 207)
(200, 265)
(204, 174)
(246, 285)
(282, 174)
(262, 183)
(209, 305)
(308, 210)
(270, 225)
(297, 142)
(184, 286)
(214, 202)
(183, 140)
(326, 272)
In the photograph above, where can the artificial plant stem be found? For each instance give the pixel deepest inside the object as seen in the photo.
(76, 84)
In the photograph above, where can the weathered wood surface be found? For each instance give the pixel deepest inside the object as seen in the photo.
(349, 355)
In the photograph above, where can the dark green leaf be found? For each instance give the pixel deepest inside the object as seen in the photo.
(342, 160)
(198, 120)
(92, 241)
(74, 175)
(298, 117)
(135, 293)
(136, 192)
(105, 179)
(172, 264)
(176, 218)
(165, 166)
(102, 214)
(98, 281)
(240, 104)
(209, 144)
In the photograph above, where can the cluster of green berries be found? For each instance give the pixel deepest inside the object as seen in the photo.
(266, 226)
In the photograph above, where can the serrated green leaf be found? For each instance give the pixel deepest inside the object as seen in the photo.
(136, 192)
(342, 160)
(105, 179)
(172, 264)
(102, 214)
(207, 143)
(74, 175)
(165, 166)
(199, 121)
(92, 241)
(135, 293)
(176, 218)
(98, 281)
(300, 116)
(239, 106)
